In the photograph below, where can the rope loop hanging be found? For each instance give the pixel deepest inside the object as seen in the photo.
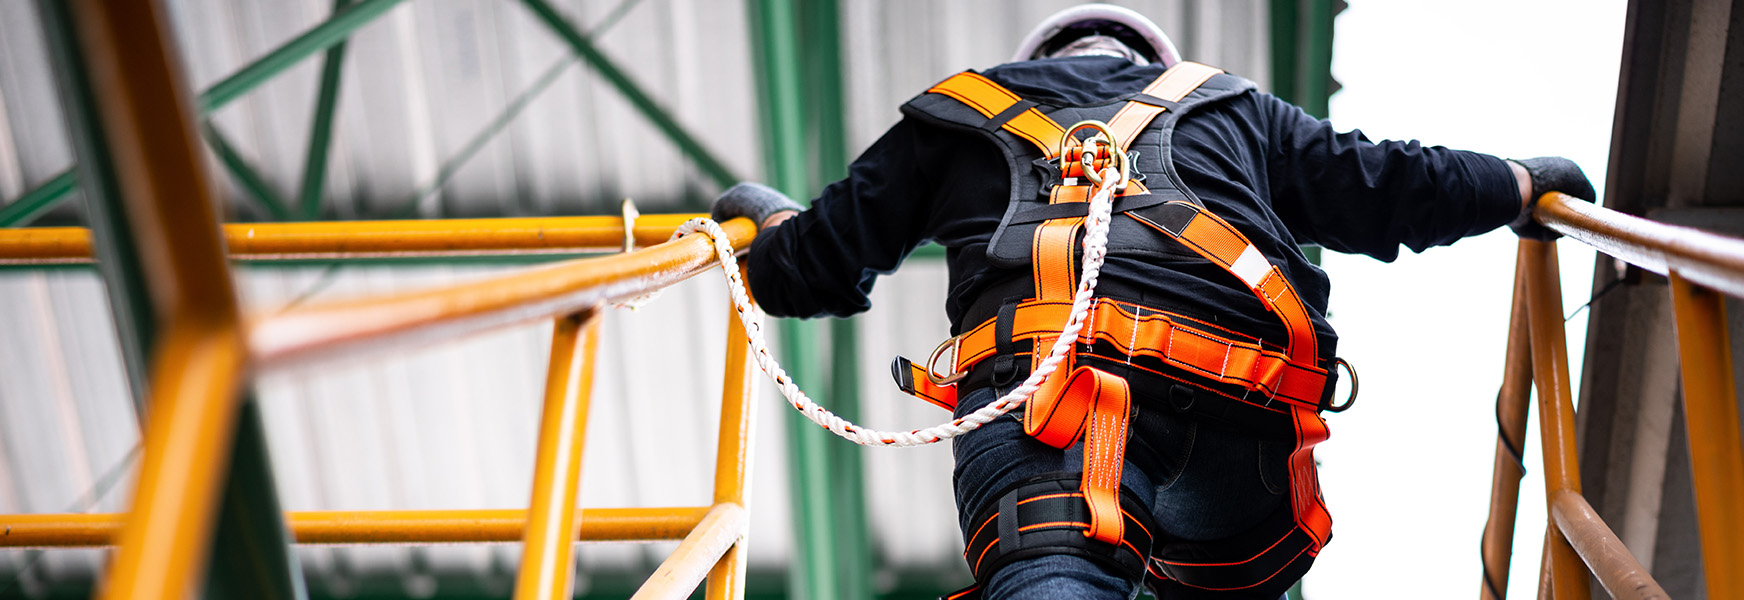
(1108, 181)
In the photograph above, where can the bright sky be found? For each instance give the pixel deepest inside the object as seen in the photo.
(1407, 471)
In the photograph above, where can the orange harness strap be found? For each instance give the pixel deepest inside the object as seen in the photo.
(992, 100)
(1084, 402)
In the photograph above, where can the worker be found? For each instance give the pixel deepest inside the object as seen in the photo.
(1173, 448)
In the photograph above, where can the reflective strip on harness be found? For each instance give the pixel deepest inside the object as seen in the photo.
(992, 100)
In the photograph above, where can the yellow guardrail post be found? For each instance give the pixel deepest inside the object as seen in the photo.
(547, 569)
(733, 452)
(1710, 411)
(1555, 404)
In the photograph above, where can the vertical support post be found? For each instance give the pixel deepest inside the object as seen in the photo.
(1555, 404)
(733, 452)
(1710, 399)
(775, 24)
(133, 126)
(1512, 404)
(547, 557)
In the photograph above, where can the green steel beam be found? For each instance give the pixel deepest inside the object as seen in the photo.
(35, 202)
(321, 37)
(321, 127)
(329, 33)
(583, 46)
(112, 240)
(820, 54)
(253, 557)
(246, 175)
(815, 575)
(252, 545)
(1302, 60)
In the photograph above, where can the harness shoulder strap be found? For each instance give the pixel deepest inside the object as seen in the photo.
(1003, 109)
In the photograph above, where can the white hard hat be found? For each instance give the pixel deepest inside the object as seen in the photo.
(1117, 22)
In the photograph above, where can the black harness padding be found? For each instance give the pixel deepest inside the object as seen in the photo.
(1046, 515)
(1032, 174)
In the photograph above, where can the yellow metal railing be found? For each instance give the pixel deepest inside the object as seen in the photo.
(1701, 267)
(570, 292)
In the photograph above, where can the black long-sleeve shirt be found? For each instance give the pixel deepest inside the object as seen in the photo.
(1278, 175)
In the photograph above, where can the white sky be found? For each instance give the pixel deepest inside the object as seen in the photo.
(1407, 471)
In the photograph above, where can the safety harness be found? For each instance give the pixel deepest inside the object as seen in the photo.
(1081, 402)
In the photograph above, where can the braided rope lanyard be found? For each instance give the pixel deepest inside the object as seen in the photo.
(1110, 180)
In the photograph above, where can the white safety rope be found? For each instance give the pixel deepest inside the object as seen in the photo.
(1095, 250)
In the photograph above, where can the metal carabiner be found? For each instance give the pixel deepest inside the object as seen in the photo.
(1104, 137)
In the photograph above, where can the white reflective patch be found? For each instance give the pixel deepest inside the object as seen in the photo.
(1251, 267)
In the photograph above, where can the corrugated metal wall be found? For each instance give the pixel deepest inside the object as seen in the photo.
(452, 426)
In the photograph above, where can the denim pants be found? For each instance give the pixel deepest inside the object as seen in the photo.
(1201, 481)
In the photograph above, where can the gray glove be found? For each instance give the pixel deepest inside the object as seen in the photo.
(753, 200)
(1550, 174)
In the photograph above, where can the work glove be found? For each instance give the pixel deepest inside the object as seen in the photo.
(1549, 174)
(753, 200)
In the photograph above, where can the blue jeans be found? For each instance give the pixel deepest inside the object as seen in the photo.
(1201, 482)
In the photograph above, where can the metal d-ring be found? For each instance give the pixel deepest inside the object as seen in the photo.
(1348, 401)
(954, 343)
(1107, 138)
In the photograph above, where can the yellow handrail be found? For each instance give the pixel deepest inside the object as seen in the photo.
(1700, 266)
(359, 239)
(328, 329)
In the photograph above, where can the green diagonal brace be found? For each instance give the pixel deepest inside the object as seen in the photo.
(321, 129)
(245, 174)
(37, 201)
(263, 69)
(662, 119)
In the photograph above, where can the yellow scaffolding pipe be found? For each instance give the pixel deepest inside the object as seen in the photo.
(696, 556)
(408, 319)
(70, 530)
(733, 452)
(359, 239)
(547, 569)
(1555, 404)
(1512, 403)
(1621, 574)
(1711, 414)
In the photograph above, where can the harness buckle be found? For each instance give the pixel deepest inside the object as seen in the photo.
(954, 343)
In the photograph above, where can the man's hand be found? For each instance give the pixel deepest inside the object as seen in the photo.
(1547, 174)
(762, 204)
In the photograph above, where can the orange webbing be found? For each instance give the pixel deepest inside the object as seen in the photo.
(1218, 241)
(1095, 406)
(990, 99)
(1173, 85)
(1311, 513)
(942, 396)
(1194, 347)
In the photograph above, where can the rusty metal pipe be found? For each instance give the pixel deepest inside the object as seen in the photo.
(1709, 260)
(360, 239)
(1512, 403)
(377, 526)
(410, 319)
(679, 575)
(1616, 568)
(1711, 417)
(1555, 401)
(547, 558)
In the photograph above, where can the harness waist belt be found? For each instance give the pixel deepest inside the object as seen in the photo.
(1140, 331)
